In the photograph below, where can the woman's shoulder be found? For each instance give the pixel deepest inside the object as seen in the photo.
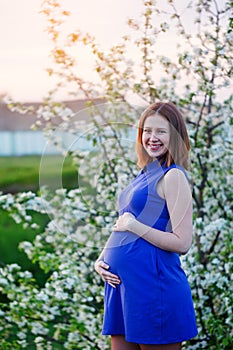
(175, 171)
(175, 179)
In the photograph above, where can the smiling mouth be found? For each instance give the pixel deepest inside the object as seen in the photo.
(154, 147)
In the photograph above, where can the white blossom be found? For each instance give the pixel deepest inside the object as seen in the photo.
(38, 328)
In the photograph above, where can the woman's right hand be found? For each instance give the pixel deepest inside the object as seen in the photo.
(102, 269)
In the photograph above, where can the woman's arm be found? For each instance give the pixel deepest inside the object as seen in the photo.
(178, 197)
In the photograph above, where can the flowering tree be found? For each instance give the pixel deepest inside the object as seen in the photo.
(67, 311)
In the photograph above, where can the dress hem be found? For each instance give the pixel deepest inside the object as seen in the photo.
(151, 342)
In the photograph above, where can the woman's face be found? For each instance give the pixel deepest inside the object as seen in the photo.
(156, 136)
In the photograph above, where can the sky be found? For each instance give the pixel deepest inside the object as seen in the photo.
(25, 46)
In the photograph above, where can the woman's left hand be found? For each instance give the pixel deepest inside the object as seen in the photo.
(124, 222)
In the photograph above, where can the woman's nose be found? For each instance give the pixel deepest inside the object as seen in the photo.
(154, 136)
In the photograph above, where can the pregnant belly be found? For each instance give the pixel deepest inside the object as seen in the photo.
(127, 253)
(121, 250)
(121, 238)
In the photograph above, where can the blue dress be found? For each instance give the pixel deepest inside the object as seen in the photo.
(153, 303)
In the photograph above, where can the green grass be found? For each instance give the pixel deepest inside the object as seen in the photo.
(19, 174)
(26, 173)
(11, 234)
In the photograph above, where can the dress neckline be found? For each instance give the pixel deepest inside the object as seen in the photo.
(152, 166)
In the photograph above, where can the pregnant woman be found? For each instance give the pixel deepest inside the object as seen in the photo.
(148, 303)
